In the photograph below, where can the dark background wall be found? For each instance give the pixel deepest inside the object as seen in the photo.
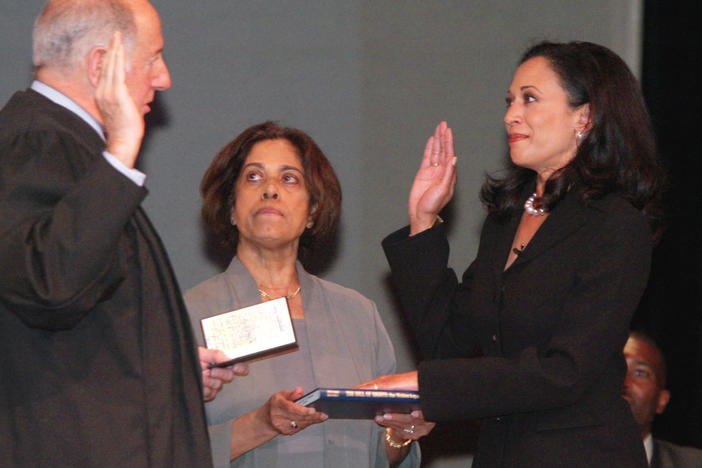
(671, 310)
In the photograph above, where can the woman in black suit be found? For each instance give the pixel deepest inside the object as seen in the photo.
(530, 341)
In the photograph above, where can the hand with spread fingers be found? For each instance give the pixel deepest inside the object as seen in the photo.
(123, 123)
(435, 180)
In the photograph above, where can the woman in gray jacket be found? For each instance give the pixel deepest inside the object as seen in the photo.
(268, 193)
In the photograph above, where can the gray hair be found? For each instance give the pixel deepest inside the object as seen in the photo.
(66, 30)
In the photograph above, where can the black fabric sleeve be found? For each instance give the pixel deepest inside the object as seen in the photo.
(63, 213)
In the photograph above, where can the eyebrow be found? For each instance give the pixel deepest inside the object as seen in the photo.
(642, 363)
(525, 87)
(284, 167)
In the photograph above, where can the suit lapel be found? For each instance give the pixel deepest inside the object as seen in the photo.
(567, 217)
(503, 243)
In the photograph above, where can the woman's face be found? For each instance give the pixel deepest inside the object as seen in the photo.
(541, 126)
(272, 200)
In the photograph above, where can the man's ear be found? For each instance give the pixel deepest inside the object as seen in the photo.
(95, 58)
(663, 399)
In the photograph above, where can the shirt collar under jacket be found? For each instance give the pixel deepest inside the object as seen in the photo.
(648, 446)
(64, 101)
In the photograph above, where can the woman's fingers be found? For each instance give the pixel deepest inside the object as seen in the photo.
(288, 417)
(410, 426)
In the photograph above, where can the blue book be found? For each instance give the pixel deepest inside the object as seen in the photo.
(352, 403)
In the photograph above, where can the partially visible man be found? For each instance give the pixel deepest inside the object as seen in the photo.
(644, 390)
(99, 365)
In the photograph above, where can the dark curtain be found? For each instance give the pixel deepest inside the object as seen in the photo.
(671, 309)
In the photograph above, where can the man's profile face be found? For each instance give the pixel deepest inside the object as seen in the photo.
(643, 383)
(147, 72)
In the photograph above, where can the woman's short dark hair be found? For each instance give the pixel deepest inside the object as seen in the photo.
(618, 152)
(219, 183)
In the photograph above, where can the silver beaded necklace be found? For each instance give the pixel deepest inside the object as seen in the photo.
(529, 206)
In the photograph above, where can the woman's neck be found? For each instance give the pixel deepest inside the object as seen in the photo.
(540, 185)
(273, 270)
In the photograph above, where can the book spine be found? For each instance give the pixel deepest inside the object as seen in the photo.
(370, 394)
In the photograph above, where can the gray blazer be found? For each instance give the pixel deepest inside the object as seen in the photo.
(667, 455)
(348, 345)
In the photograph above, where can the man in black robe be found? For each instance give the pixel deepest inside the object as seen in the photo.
(98, 363)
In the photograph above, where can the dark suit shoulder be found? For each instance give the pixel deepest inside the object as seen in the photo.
(614, 203)
(619, 215)
(32, 116)
(40, 140)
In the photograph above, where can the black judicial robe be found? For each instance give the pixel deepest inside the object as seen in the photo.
(550, 330)
(98, 363)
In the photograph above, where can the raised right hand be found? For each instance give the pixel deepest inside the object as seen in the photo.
(435, 180)
(122, 121)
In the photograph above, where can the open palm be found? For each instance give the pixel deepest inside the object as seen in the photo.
(435, 180)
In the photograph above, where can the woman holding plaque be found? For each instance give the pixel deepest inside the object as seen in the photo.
(531, 339)
(270, 193)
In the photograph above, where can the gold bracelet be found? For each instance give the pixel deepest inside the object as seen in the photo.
(394, 444)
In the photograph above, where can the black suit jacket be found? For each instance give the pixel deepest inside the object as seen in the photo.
(99, 365)
(550, 330)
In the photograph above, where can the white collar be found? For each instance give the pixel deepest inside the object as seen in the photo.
(648, 445)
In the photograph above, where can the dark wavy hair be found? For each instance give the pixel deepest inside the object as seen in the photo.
(618, 153)
(219, 182)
